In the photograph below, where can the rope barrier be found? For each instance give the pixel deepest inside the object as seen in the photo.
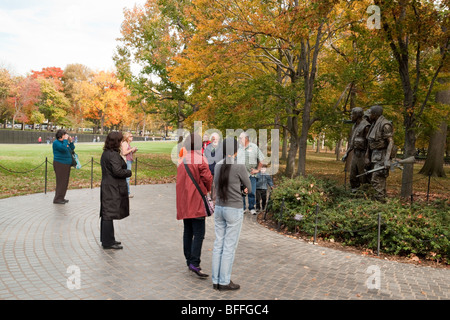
(31, 170)
(156, 166)
(438, 182)
(351, 231)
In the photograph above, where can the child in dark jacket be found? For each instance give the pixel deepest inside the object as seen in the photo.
(263, 182)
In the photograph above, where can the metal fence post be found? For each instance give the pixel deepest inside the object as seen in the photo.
(281, 215)
(45, 188)
(345, 177)
(92, 172)
(135, 172)
(379, 234)
(315, 226)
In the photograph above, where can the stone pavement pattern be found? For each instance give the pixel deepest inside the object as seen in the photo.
(39, 241)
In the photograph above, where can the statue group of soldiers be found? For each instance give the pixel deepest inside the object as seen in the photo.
(372, 145)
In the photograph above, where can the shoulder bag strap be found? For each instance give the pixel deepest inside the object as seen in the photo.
(193, 180)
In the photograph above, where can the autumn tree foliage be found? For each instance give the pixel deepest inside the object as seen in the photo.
(5, 88)
(418, 36)
(152, 35)
(279, 41)
(53, 73)
(24, 94)
(103, 99)
(74, 74)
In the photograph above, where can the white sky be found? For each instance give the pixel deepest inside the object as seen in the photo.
(35, 34)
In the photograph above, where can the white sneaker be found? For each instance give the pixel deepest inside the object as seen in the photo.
(130, 196)
(253, 211)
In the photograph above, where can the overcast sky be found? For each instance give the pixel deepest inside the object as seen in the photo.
(35, 34)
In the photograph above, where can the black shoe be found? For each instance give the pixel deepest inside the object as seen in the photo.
(114, 246)
(59, 202)
(65, 200)
(117, 242)
(197, 271)
(230, 286)
(216, 286)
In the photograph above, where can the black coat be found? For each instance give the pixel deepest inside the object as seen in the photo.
(114, 202)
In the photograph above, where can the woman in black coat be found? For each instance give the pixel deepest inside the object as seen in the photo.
(114, 202)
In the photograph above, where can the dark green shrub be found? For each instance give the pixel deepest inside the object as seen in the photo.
(420, 229)
(299, 196)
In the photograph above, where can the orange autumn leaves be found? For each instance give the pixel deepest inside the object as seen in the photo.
(103, 97)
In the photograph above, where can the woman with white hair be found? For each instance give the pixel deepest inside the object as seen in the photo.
(213, 154)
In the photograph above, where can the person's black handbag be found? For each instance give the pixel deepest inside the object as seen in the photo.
(209, 207)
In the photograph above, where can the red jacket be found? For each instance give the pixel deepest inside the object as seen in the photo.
(189, 201)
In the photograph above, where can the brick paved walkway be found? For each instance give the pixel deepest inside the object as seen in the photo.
(39, 241)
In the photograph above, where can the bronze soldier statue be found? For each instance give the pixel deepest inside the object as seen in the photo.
(380, 145)
(358, 143)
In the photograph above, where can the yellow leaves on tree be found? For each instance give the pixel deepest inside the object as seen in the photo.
(103, 99)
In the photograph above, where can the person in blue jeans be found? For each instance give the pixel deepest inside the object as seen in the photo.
(251, 156)
(228, 214)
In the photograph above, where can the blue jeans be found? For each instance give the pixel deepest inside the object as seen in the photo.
(228, 225)
(129, 164)
(251, 195)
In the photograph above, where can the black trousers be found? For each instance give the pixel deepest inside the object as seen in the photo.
(261, 196)
(107, 232)
(62, 173)
(193, 235)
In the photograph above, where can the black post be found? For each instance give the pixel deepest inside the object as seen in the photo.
(281, 215)
(45, 188)
(135, 172)
(92, 172)
(428, 189)
(379, 234)
(315, 227)
(345, 177)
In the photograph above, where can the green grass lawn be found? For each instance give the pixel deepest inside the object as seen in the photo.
(23, 166)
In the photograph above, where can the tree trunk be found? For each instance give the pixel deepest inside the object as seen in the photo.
(180, 119)
(337, 149)
(434, 164)
(102, 123)
(410, 150)
(290, 163)
(284, 146)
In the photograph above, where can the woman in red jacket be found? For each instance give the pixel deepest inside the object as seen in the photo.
(190, 205)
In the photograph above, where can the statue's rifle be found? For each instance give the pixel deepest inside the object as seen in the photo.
(395, 164)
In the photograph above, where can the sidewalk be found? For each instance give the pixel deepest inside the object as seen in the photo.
(39, 241)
